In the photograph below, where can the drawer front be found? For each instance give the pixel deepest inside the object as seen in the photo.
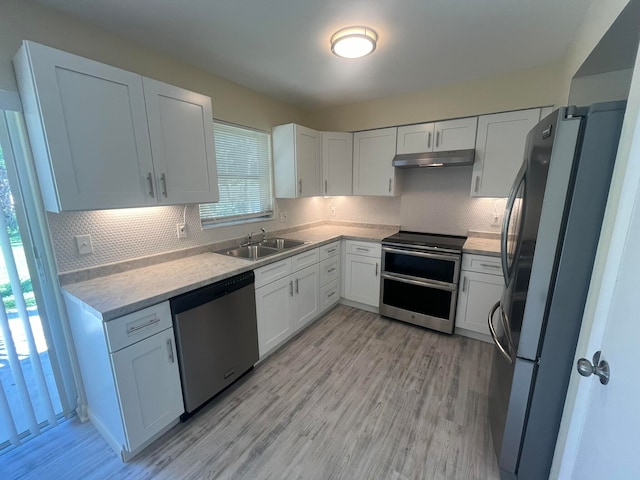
(329, 295)
(363, 248)
(330, 250)
(124, 331)
(329, 270)
(272, 272)
(304, 260)
(482, 264)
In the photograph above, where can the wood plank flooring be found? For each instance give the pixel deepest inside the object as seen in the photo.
(355, 396)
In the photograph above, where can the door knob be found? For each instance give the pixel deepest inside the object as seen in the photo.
(598, 367)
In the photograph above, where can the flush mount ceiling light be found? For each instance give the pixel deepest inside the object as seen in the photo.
(354, 42)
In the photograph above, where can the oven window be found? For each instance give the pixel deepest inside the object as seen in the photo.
(420, 267)
(417, 298)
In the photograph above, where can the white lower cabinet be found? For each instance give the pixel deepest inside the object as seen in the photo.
(330, 263)
(130, 374)
(362, 273)
(289, 301)
(481, 286)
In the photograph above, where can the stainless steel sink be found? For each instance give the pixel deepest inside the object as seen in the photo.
(281, 243)
(251, 252)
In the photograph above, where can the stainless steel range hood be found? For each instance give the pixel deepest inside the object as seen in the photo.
(452, 158)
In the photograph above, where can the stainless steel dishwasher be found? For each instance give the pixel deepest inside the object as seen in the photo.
(216, 337)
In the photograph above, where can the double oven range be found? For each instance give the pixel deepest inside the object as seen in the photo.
(419, 280)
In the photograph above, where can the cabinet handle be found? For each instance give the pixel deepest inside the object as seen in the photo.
(299, 187)
(331, 250)
(325, 186)
(297, 287)
(163, 179)
(331, 270)
(331, 294)
(376, 269)
(135, 328)
(429, 140)
(389, 185)
(477, 183)
(291, 287)
(150, 180)
(170, 350)
(489, 265)
(360, 249)
(437, 139)
(464, 284)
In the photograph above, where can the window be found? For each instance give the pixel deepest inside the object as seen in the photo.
(243, 158)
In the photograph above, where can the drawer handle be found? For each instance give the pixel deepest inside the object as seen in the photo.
(331, 294)
(331, 250)
(360, 249)
(135, 328)
(489, 265)
(331, 270)
(170, 350)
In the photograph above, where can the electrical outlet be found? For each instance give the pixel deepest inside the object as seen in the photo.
(332, 210)
(83, 243)
(283, 216)
(181, 230)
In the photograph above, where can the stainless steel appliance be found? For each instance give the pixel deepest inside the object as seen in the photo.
(419, 281)
(216, 337)
(549, 238)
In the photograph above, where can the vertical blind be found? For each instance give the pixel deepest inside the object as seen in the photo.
(243, 158)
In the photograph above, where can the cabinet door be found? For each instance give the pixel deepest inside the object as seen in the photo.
(306, 301)
(373, 152)
(329, 295)
(455, 134)
(88, 129)
(337, 163)
(362, 280)
(148, 384)
(181, 131)
(275, 316)
(478, 292)
(307, 161)
(415, 138)
(500, 151)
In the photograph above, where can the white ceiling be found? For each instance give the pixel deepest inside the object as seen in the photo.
(281, 47)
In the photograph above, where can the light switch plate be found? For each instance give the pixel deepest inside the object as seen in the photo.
(83, 243)
(283, 216)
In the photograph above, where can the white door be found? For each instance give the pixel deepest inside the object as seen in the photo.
(337, 162)
(308, 163)
(373, 152)
(306, 305)
(362, 280)
(600, 433)
(274, 310)
(148, 383)
(415, 138)
(455, 134)
(478, 293)
(181, 131)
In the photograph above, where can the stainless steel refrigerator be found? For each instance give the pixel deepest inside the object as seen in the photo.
(550, 233)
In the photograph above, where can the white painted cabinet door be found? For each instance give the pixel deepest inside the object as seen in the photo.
(457, 134)
(306, 300)
(182, 146)
(500, 151)
(148, 385)
(373, 152)
(275, 314)
(308, 162)
(362, 279)
(337, 163)
(478, 292)
(415, 138)
(88, 129)
(297, 161)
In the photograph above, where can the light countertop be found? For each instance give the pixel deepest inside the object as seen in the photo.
(482, 244)
(115, 295)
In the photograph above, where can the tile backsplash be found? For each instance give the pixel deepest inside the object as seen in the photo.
(435, 200)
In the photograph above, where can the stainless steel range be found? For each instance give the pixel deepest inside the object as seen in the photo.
(419, 281)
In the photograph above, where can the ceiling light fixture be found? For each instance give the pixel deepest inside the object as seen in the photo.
(354, 42)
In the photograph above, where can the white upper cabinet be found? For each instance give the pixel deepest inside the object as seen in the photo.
(89, 126)
(337, 163)
(373, 152)
(457, 134)
(500, 151)
(296, 160)
(181, 131)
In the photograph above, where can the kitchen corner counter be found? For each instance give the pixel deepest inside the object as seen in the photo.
(115, 295)
(480, 243)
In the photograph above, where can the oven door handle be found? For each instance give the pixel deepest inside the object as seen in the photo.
(413, 253)
(438, 285)
(494, 335)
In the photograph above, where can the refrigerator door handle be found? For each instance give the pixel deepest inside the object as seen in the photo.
(506, 220)
(494, 335)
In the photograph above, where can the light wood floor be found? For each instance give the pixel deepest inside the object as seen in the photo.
(355, 396)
